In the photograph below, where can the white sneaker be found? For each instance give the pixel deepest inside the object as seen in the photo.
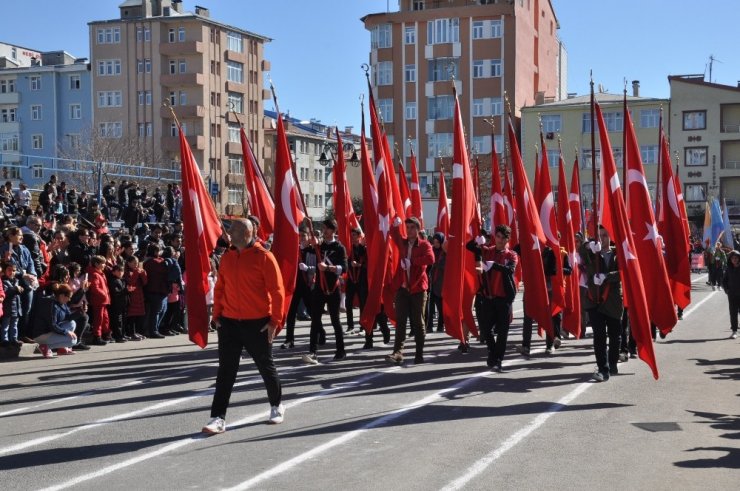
(310, 358)
(277, 413)
(733, 335)
(215, 426)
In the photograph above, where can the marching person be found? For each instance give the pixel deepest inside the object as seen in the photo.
(305, 280)
(731, 285)
(356, 285)
(326, 292)
(436, 279)
(247, 308)
(603, 302)
(412, 282)
(497, 266)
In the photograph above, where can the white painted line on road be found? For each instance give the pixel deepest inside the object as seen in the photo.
(693, 308)
(55, 401)
(299, 459)
(699, 278)
(515, 439)
(187, 441)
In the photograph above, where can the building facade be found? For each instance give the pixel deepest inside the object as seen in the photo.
(44, 108)
(490, 48)
(568, 123)
(209, 73)
(705, 132)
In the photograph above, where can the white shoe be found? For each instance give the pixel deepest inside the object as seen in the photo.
(215, 426)
(733, 335)
(310, 358)
(277, 414)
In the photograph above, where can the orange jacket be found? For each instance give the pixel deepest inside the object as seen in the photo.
(249, 286)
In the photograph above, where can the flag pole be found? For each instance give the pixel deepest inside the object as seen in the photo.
(624, 143)
(259, 169)
(595, 201)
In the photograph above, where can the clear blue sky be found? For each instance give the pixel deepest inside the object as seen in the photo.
(319, 45)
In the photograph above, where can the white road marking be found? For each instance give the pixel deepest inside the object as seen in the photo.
(699, 278)
(693, 308)
(515, 439)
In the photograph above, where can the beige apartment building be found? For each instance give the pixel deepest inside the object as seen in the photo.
(489, 47)
(569, 122)
(209, 72)
(705, 131)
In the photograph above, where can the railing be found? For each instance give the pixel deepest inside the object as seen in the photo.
(731, 128)
(731, 164)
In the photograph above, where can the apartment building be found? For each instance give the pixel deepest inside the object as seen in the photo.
(208, 72)
(568, 123)
(490, 48)
(705, 132)
(44, 108)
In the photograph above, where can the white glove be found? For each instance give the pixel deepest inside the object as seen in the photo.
(302, 266)
(487, 265)
(480, 240)
(595, 247)
(397, 222)
(405, 263)
(599, 278)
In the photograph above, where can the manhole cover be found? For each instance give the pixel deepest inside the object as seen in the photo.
(653, 427)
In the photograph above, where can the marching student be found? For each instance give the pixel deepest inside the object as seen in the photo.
(304, 283)
(731, 285)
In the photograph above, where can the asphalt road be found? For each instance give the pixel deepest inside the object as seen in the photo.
(129, 417)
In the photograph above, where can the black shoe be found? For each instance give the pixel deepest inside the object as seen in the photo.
(98, 341)
(168, 333)
(287, 345)
(440, 329)
(120, 340)
(386, 335)
(80, 347)
(613, 371)
(322, 338)
(490, 361)
(418, 359)
(662, 336)
(303, 318)
(368, 344)
(156, 335)
(340, 355)
(497, 367)
(463, 347)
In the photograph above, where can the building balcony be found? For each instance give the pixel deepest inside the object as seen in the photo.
(234, 148)
(182, 79)
(731, 164)
(730, 127)
(186, 48)
(12, 127)
(172, 143)
(184, 112)
(236, 87)
(236, 56)
(234, 179)
(236, 118)
(11, 98)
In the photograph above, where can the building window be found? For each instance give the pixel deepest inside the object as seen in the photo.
(173, 67)
(410, 111)
(649, 118)
(553, 157)
(181, 34)
(696, 156)
(478, 69)
(694, 120)
(147, 34)
(442, 69)
(551, 123)
(75, 111)
(183, 98)
(417, 4)
(481, 144)
(235, 42)
(478, 29)
(110, 130)
(107, 68)
(235, 165)
(142, 129)
(495, 68)
(7, 86)
(37, 142)
(183, 66)
(384, 73)
(234, 133)
(409, 35)
(649, 154)
(8, 143)
(439, 144)
(36, 114)
(479, 108)
(441, 107)
(695, 192)
(171, 35)
(139, 66)
(614, 122)
(110, 98)
(148, 65)
(74, 82)
(110, 35)
(495, 28)
(37, 171)
(410, 73)
(149, 130)
(385, 108)
(586, 158)
(35, 82)
(235, 72)
(380, 36)
(236, 102)
(442, 31)
(173, 98)
(234, 194)
(7, 115)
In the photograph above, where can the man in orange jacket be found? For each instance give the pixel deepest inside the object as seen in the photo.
(247, 308)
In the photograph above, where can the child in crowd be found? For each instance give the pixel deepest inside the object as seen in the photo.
(99, 297)
(118, 303)
(135, 280)
(11, 305)
(59, 334)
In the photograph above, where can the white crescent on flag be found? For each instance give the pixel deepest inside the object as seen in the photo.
(196, 209)
(285, 194)
(628, 251)
(509, 210)
(637, 176)
(548, 205)
(672, 198)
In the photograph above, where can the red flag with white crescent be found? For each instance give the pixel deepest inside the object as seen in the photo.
(572, 311)
(260, 201)
(443, 213)
(405, 192)
(574, 199)
(341, 210)
(417, 209)
(498, 207)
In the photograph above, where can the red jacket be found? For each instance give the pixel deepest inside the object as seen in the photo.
(422, 256)
(135, 281)
(98, 293)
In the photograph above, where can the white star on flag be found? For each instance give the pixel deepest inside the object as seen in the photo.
(383, 225)
(652, 233)
(536, 244)
(627, 251)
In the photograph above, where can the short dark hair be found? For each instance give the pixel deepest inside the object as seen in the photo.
(504, 230)
(414, 221)
(329, 223)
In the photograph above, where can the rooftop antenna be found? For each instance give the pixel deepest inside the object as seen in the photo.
(712, 59)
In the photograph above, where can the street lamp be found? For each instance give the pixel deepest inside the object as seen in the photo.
(332, 149)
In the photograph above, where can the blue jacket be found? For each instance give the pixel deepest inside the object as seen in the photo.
(12, 302)
(22, 259)
(60, 313)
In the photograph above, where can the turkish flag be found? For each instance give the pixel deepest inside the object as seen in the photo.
(531, 237)
(288, 216)
(405, 192)
(443, 213)
(512, 222)
(477, 222)
(417, 209)
(498, 208)
(459, 267)
(369, 190)
(572, 310)
(549, 220)
(629, 265)
(201, 230)
(259, 198)
(574, 199)
(673, 227)
(648, 244)
(341, 200)
(379, 244)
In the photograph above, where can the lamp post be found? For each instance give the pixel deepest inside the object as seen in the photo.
(331, 147)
